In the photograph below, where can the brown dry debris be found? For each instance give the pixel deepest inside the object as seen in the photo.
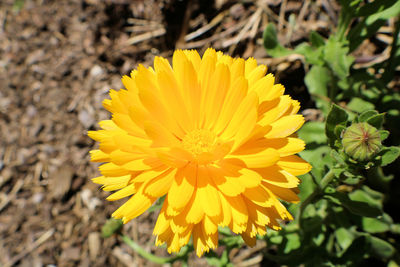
(58, 59)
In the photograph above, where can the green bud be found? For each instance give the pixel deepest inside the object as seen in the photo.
(110, 227)
(361, 141)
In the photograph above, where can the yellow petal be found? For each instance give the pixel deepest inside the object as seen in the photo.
(229, 186)
(99, 156)
(194, 57)
(124, 192)
(239, 209)
(215, 95)
(160, 136)
(248, 106)
(207, 193)
(256, 74)
(259, 196)
(182, 187)
(237, 69)
(120, 157)
(285, 194)
(160, 185)
(162, 224)
(125, 122)
(250, 65)
(209, 226)
(294, 165)
(285, 126)
(260, 159)
(277, 176)
(233, 99)
(111, 169)
(194, 210)
(143, 164)
(135, 206)
(173, 98)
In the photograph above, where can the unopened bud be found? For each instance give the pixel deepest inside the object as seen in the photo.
(361, 141)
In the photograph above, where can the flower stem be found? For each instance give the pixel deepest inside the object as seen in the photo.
(151, 257)
(322, 185)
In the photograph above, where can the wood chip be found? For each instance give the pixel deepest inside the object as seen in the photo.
(60, 181)
(94, 245)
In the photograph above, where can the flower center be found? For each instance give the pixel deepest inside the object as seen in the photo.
(199, 141)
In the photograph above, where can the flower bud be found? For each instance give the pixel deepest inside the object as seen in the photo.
(361, 141)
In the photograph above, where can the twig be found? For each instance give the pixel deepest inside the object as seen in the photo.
(185, 25)
(251, 262)
(245, 31)
(145, 36)
(142, 22)
(18, 185)
(30, 248)
(303, 11)
(282, 15)
(219, 36)
(215, 21)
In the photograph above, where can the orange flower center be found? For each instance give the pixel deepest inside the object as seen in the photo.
(200, 141)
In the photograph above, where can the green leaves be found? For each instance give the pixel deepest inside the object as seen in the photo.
(317, 80)
(389, 155)
(361, 207)
(336, 116)
(381, 248)
(337, 58)
(271, 42)
(341, 220)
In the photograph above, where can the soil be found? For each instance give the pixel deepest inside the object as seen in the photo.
(58, 60)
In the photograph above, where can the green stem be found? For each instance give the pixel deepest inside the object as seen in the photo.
(320, 189)
(151, 257)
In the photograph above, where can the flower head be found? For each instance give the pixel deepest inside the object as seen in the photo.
(215, 135)
(361, 141)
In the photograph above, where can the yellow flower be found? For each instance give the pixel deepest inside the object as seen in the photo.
(213, 134)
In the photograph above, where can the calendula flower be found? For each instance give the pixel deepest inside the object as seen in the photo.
(213, 134)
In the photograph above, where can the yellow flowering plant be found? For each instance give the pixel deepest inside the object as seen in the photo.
(213, 134)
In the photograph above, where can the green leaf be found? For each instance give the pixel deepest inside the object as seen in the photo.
(317, 80)
(271, 43)
(369, 25)
(316, 39)
(292, 243)
(364, 116)
(312, 55)
(359, 105)
(384, 134)
(389, 154)
(381, 248)
(344, 238)
(313, 132)
(339, 130)
(359, 207)
(377, 120)
(374, 7)
(372, 225)
(336, 116)
(336, 55)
